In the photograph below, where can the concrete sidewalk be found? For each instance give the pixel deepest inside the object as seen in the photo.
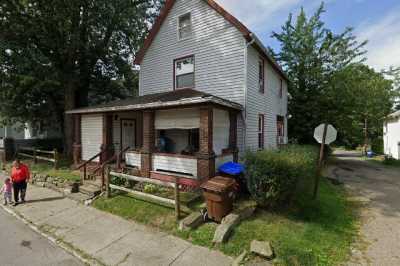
(107, 239)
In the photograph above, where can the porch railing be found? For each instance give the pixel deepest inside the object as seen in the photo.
(107, 162)
(86, 163)
(221, 159)
(175, 163)
(133, 158)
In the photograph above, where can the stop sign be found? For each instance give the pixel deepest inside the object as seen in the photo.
(331, 134)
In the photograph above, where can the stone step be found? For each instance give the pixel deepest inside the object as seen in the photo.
(80, 197)
(89, 189)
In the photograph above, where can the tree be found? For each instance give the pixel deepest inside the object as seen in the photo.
(311, 54)
(394, 74)
(364, 98)
(54, 54)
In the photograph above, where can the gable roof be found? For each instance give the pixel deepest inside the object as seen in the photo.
(247, 34)
(176, 98)
(394, 115)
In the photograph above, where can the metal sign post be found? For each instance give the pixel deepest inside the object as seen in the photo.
(324, 134)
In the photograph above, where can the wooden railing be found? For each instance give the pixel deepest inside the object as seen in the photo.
(37, 154)
(85, 164)
(107, 162)
(172, 203)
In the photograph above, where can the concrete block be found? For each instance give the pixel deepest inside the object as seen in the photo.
(224, 230)
(192, 221)
(262, 248)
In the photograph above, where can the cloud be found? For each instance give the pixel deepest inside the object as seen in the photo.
(257, 14)
(265, 16)
(384, 39)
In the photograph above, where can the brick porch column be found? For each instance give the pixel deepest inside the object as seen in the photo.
(107, 137)
(206, 156)
(77, 144)
(149, 135)
(233, 134)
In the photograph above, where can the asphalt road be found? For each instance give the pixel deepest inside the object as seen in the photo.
(19, 245)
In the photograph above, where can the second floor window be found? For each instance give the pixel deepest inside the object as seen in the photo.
(280, 126)
(184, 73)
(184, 26)
(261, 79)
(261, 124)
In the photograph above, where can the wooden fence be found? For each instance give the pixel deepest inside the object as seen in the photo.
(37, 154)
(175, 203)
(3, 158)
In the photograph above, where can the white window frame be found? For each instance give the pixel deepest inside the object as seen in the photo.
(179, 28)
(176, 75)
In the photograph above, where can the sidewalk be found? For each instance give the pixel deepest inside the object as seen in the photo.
(107, 239)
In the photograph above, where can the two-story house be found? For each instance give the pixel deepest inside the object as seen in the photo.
(209, 91)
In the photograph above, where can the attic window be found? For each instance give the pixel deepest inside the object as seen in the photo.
(185, 26)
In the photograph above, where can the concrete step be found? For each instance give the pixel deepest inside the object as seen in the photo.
(90, 189)
(80, 197)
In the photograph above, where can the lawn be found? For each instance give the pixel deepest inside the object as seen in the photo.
(140, 211)
(382, 161)
(308, 233)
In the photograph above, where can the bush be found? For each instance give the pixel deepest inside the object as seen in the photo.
(377, 145)
(273, 175)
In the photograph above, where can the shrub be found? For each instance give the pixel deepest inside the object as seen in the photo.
(273, 175)
(377, 145)
(151, 189)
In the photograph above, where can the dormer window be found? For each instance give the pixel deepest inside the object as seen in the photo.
(184, 72)
(185, 26)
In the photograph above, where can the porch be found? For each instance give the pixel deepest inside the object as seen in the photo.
(184, 135)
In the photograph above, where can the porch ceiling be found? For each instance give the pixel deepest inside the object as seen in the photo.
(159, 100)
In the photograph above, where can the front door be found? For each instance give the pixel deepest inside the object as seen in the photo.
(128, 133)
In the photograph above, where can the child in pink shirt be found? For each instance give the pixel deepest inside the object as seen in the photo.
(6, 190)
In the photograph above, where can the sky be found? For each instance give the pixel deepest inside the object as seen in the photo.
(377, 21)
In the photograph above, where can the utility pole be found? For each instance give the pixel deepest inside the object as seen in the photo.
(366, 141)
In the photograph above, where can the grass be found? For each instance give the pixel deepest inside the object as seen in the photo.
(311, 233)
(382, 161)
(308, 233)
(140, 211)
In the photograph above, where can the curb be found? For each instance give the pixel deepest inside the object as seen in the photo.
(52, 239)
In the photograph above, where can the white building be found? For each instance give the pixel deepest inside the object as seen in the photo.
(391, 135)
(207, 83)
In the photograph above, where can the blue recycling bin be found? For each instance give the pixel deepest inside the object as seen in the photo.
(235, 171)
(231, 168)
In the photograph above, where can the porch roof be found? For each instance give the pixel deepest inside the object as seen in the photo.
(175, 98)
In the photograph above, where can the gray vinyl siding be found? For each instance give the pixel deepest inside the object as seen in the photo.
(268, 103)
(221, 56)
(218, 48)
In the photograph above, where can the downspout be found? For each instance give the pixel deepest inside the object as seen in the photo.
(245, 87)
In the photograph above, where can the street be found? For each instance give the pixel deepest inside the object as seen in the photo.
(22, 246)
(377, 187)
